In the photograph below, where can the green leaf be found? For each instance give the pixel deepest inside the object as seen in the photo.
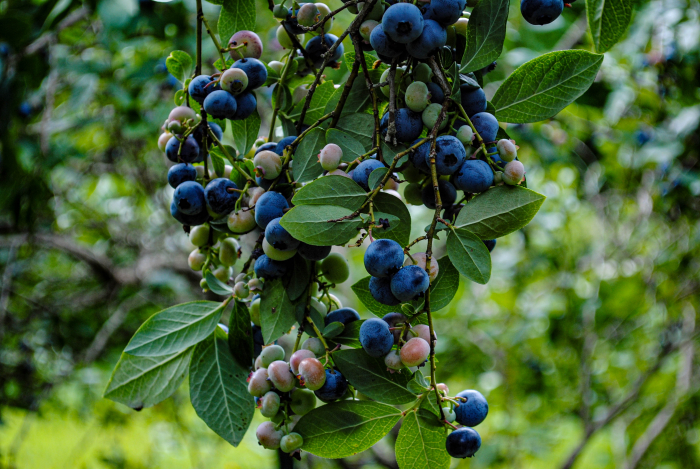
(376, 177)
(421, 442)
(236, 15)
(240, 335)
(486, 32)
(361, 289)
(333, 329)
(306, 165)
(371, 377)
(145, 381)
(344, 428)
(179, 64)
(277, 312)
(317, 107)
(218, 161)
(499, 211)
(608, 21)
(352, 149)
(540, 88)
(245, 132)
(470, 255)
(358, 99)
(217, 286)
(175, 329)
(310, 224)
(298, 279)
(218, 389)
(392, 205)
(444, 287)
(390, 151)
(350, 335)
(332, 190)
(359, 126)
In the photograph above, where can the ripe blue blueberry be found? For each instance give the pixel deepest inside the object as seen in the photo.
(541, 12)
(363, 170)
(376, 338)
(419, 157)
(255, 69)
(433, 37)
(220, 105)
(446, 12)
(448, 194)
(473, 100)
(319, 45)
(490, 244)
(191, 220)
(313, 253)
(268, 269)
(409, 124)
(393, 320)
(189, 198)
(269, 206)
(486, 125)
(246, 103)
(384, 45)
(282, 144)
(383, 257)
(219, 199)
(181, 172)
(263, 183)
(474, 176)
(269, 146)
(342, 315)
(188, 153)
(334, 388)
(380, 288)
(278, 237)
(437, 96)
(408, 283)
(403, 22)
(463, 443)
(474, 411)
(449, 155)
(198, 88)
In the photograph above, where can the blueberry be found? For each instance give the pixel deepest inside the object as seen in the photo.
(189, 198)
(409, 282)
(188, 153)
(474, 176)
(258, 341)
(278, 237)
(246, 103)
(191, 220)
(419, 157)
(334, 388)
(448, 194)
(220, 104)
(486, 125)
(463, 443)
(270, 146)
(380, 288)
(268, 269)
(290, 23)
(474, 411)
(446, 12)
(393, 320)
(433, 37)
(403, 22)
(541, 12)
(342, 315)
(269, 206)
(219, 199)
(490, 244)
(263, 183)
(473, 100)
(363, 170)
(449, 155)
(285, 142)
(181, 172)
(436, 94)
(255, 69)
(383, 257)
(313, 253)
(319, 45)
(384, 45)
(198, 88)
(409, 124)
(376, 338)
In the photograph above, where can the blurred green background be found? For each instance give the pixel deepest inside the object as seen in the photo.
(584, 341)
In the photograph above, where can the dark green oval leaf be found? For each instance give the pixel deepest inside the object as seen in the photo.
(277, 312)
(310, 224)
(306, 165)
(245, 132)
(217, 286)
(470, 255)
(240, 335)
(332, 190)
(486, 32)
(421, 442)
(608, 21)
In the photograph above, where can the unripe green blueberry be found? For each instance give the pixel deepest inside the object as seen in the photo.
(422, 331)
(451, 36)
(182, 114)
(308, 14)
(430, 116)
(461, 26)
(163, 140)
(291, 442)
(376, 13)
(442, 387)
(271, 353)
(398, 77)
(276, 254)
(223, 273)
(513, 173)
(366, 28)
(242, 221)
(196, 260)
(413, 194)
(228, 251)
(254, 311)
(270, 404)
(234, 80)
(299, 93)
(331, 301)
(418, 96)
(200, 171)
(277, 418)
(393, 361)
(254, 194)
(465, 134)
(204, 285)
(318, 306)
(303, 401)
(313, 289)
(281, 377)
(412, 174)
(267, 164)
(255, 284)
(335, 268)
(175, 127)
(422, 72)
(258, 385)
(507, 150)
(330, 157)
(268, 437)
(339, 172)
(241, 290)
(419, 259)
(391, 185)
(277, 66)
(450, 414)
(258, 363)
(297, 358)
(315, 345)
(242, 277)
(415, 351)
(497, 177)
(285, 40)
(280, 11)
(323, 12)
(312, 373)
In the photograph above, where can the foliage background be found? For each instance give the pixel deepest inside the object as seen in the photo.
(585, 336)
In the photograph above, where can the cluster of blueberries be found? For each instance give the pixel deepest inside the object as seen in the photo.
(393, 283)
